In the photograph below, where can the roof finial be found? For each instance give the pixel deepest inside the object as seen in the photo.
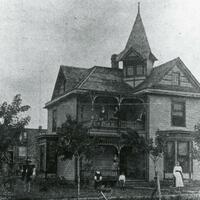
(138, 7)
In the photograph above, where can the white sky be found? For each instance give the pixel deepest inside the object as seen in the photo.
(36, 37)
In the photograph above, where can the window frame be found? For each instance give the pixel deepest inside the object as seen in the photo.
(54, 120)
(135, 70)
(184, 157)
(167, 167)
(176, 75)
(173, 110)
(22, 151)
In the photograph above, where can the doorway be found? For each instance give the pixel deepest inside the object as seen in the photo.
(133, 164)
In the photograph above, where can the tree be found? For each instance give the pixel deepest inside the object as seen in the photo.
(196, 144)
(12, 123)
(75, 140)
(156, 149)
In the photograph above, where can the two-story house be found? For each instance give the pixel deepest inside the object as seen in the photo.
(164, 99)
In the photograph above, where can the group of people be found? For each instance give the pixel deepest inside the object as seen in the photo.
(103, 115)
(28, 173)
(177, 173)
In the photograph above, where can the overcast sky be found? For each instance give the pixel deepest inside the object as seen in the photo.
(36, 37)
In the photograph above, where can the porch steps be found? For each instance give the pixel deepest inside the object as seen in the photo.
(137, 183)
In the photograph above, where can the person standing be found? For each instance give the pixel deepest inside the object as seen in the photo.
(122, 180)
(97, 179)
(177, 172)
(27, 174)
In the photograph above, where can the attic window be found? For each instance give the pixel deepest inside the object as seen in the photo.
(130, 71)
(62, 87)
(175, 78)
(139, 70)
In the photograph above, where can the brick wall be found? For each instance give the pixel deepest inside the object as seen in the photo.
(160, 118)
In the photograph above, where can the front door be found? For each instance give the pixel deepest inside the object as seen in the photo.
(132, 164)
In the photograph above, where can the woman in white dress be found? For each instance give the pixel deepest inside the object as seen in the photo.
(177, 172)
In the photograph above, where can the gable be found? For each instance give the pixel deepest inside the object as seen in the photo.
(60, 85)
(161, 78)
(68, 78)
(184, 78)
(132, 55)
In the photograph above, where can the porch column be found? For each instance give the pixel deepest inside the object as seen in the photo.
(190, 160)
(92, 97)
(176, 151)
(118, 152)
(119, 101)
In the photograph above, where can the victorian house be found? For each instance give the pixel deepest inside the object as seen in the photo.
(151, 99)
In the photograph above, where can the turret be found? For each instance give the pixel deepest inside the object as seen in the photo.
(137, 57)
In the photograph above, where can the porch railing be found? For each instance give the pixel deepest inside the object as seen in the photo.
(110, 124)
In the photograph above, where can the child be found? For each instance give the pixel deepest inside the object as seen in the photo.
(122, 180)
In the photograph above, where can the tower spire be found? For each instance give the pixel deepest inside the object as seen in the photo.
(138, 7)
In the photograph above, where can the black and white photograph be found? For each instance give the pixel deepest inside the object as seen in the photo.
(99, 99)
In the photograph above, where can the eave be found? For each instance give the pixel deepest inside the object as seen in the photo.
(85, 91)
(169, 93)
(56, 100)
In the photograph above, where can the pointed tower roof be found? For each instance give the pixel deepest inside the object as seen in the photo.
(138, 40)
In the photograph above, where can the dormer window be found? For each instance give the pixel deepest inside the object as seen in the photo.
(175, 78)
(130, 71)
(137, 70)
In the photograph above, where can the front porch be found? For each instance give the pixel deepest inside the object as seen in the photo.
(113, 160)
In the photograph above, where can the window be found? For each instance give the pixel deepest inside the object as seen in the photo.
(22, 151)
(183, 155)
(130, 71)
(169, 157)
(25, 135)
(54, 120)
(140, 70)
(177, 151)
(178, 113)
(175, 78)
(82, 112)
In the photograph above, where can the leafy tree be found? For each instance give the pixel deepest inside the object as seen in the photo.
(196, 144)
(12, 123)
(75, 140)
(156, 149)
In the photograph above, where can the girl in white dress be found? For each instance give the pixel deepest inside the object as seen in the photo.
(177, 172)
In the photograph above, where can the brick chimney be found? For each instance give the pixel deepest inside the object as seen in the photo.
(114, 62)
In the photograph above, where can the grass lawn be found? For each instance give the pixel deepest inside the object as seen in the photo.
(53, 190)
